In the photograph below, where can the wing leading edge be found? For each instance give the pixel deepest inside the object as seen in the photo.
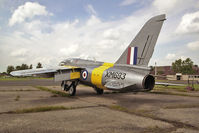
(59, 73)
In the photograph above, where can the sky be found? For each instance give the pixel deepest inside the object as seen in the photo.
(49, 31)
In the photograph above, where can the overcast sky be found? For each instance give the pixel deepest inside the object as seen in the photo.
(49, 31)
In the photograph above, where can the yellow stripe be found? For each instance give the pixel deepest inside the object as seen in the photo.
(70, 66)
(97, 73)
(74, 75)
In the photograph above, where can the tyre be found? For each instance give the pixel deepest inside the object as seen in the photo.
(72, 90)
(99, 91)
(65, 86)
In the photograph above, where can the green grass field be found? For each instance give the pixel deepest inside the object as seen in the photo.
(177, 88)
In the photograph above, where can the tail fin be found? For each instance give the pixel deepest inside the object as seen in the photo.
(140, 50)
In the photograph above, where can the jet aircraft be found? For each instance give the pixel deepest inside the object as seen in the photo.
(130, 71)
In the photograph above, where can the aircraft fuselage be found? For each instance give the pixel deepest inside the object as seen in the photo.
(107, 75)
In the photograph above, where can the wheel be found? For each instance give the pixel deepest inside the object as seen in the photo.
(99, 91)
(65, 86)
(72, 90)
(62, 85)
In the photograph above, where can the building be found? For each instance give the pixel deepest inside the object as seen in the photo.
(166, 72)
(162, 71)
(179, 76)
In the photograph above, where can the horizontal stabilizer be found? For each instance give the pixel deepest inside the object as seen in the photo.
(168, 84)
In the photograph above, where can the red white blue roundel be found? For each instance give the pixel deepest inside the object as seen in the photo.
(84, 74)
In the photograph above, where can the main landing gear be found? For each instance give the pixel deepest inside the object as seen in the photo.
(98, 90)
(69, 86)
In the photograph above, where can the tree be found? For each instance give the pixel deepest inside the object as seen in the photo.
(177, 66)
(10, 69)
(24, 67)
(39, 65)
(18, 68)
(4, 73)
(160, 72)
(30, 66)
(183, 66)
(152, 68)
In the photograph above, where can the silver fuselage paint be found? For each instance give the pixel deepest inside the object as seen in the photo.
(127, 76)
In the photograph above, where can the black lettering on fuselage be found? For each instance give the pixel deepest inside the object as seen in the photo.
(115, 75)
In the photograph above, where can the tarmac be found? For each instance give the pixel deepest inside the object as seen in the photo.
(88, 112)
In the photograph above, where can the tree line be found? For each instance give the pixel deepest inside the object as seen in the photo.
(183, 66)
(11, 68)
(178, 66)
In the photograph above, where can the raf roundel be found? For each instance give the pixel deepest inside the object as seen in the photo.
(84, 74)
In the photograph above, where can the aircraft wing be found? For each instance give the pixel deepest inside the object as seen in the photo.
(168, 84)
(59, 73)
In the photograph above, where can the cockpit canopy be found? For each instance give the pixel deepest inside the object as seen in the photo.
(75, 61)
(68, 61)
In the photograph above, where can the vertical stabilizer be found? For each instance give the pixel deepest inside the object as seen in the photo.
(140, 50)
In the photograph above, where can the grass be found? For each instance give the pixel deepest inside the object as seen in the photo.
(17, 90)
(45, 109)
(123, 109)
(62, 94)
(196, 86)
(177, 88)
(182, 106)
(147, 114)
(119, 108)
(173, 93)
(39, 109)
(17, 98)
(144, 113)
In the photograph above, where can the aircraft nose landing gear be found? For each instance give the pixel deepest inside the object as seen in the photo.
(69, 86)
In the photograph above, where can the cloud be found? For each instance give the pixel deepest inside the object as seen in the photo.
(193, 45)
(50, 42)
(189, 23)
(170, 56)
(127, 2)
(91, 38)
(166, 5)
(28, 10)
(91, 10)
(104, 40)
(70, 50)
(183, 57)
(111, 34)
(19, 52)
(172, 7)
(93, 21)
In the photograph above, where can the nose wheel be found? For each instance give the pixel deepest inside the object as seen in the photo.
(69, 86)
